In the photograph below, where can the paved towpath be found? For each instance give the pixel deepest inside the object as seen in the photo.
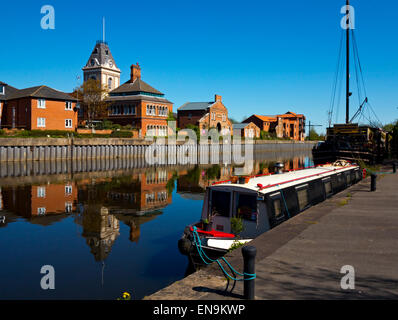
(303, 257)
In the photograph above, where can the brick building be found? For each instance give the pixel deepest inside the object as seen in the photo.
(248, 130)
(205, 115)
(138, 104)
(288, 125)
(5, 92)
(39, 108)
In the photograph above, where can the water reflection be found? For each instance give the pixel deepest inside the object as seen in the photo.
(142, 210)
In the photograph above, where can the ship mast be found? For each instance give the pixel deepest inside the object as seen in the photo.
(348, 13)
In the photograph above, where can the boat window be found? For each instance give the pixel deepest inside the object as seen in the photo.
(278, 208)
(220, 203)
(357, 175)
(340, 178)
(302, 195)
(328, 186)
(348, 177)
(246, 206)
(277, 202)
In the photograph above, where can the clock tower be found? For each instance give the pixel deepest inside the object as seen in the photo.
(101, 66)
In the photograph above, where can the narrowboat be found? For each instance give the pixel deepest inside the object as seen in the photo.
(261, 203)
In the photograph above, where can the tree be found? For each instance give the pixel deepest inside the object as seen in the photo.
(314, 136)
(92, 97)
(171, 117)
(233, 121)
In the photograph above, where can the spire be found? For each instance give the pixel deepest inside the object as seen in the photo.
(103, 29)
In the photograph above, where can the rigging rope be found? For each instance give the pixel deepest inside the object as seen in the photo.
(203, 256)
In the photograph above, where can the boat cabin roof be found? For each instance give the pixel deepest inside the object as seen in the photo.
(271, 183)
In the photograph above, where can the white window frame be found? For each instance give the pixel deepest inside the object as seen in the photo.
(68, 106)
(67, 126)
(2, 90)
(41, 211)
(41, 103)
(68, 207)
(41, 122)
(41, 192)
(68, 190)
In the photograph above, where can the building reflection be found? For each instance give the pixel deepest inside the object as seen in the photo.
(100, 229)
(42, 204)
(192, 183)
(132, 199)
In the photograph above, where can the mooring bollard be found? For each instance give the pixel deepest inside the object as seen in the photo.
(373, 182)
(249, 261)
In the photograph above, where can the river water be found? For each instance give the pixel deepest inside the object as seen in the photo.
(105, 233)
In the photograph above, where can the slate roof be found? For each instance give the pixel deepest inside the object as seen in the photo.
(101, 55)
(240, 125)
(9, 90)
(43, 92)
(195, 106)
(135, 87)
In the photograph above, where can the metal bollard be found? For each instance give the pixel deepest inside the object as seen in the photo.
(373, 182)
(249, 262)
(394, 167)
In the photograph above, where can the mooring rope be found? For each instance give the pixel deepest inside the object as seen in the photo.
(203, 255)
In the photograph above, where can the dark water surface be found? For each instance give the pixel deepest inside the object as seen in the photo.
(104, 233)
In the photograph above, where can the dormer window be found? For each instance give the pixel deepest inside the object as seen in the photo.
(92, 62)
(106, 52)
(2, 90)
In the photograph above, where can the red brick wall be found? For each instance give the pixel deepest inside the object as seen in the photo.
(141, 120)
(55, 115)
(26, 114)
(22, 114)
(189, 117)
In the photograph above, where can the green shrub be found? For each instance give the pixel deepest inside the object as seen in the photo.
(116, 127)
(121, 134)
(104, 125)
(44, 134)
(2, 132)
(237, 225)
(128, 127)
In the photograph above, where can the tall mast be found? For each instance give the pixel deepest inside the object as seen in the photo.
(348, 12)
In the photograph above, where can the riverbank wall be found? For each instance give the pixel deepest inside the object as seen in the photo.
(54, 149)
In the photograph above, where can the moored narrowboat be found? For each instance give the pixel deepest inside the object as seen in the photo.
(261, 203)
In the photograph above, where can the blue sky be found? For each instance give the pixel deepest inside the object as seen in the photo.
(263, 57)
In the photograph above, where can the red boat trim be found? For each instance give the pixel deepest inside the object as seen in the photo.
(214, 233)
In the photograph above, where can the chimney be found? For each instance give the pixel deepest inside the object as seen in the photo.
(135, 72)
(218, 98)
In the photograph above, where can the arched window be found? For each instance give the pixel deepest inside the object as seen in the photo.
(110, 83)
